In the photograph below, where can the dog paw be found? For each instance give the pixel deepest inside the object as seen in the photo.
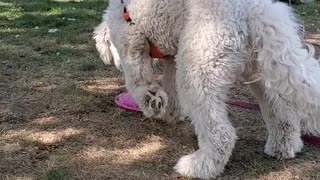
(283, 150)
(198, 165)
(288, 154)
(155, 101)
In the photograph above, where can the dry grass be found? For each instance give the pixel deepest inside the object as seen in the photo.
(58, 119)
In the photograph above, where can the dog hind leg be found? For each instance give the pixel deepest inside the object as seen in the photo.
(283, 124)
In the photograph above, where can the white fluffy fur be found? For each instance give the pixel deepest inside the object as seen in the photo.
(108, 52)
(211, 43)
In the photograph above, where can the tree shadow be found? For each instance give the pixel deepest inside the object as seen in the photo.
(117, 144)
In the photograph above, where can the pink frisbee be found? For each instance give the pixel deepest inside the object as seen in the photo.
(125, 101)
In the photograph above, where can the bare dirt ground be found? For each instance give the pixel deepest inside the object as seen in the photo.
(58, 119)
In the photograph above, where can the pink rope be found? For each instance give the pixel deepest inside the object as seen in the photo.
(125, 101)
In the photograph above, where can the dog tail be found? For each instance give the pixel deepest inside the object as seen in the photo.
(287, 68)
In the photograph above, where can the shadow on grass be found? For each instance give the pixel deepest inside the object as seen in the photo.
(74, 20)
(28, 12)
(106, 142)
(100, 136)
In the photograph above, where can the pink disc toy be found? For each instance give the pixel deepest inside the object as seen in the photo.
(125, 101)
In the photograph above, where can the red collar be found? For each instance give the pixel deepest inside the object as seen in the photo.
(154, 52)
(126, 14)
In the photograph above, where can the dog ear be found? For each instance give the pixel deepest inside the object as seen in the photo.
(103, 43)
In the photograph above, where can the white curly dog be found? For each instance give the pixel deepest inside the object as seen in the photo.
(209, 45)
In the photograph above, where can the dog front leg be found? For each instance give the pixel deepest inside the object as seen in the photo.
(173, 112)
(139, 77)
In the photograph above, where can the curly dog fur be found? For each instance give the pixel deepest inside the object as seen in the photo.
(210, 44)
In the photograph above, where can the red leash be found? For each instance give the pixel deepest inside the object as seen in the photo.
(309, 139)
(244, 105)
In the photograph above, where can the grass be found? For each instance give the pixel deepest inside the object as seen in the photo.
(310, 14)
(54, 174)
(58, 119)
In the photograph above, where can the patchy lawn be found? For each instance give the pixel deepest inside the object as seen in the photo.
(58, 119)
